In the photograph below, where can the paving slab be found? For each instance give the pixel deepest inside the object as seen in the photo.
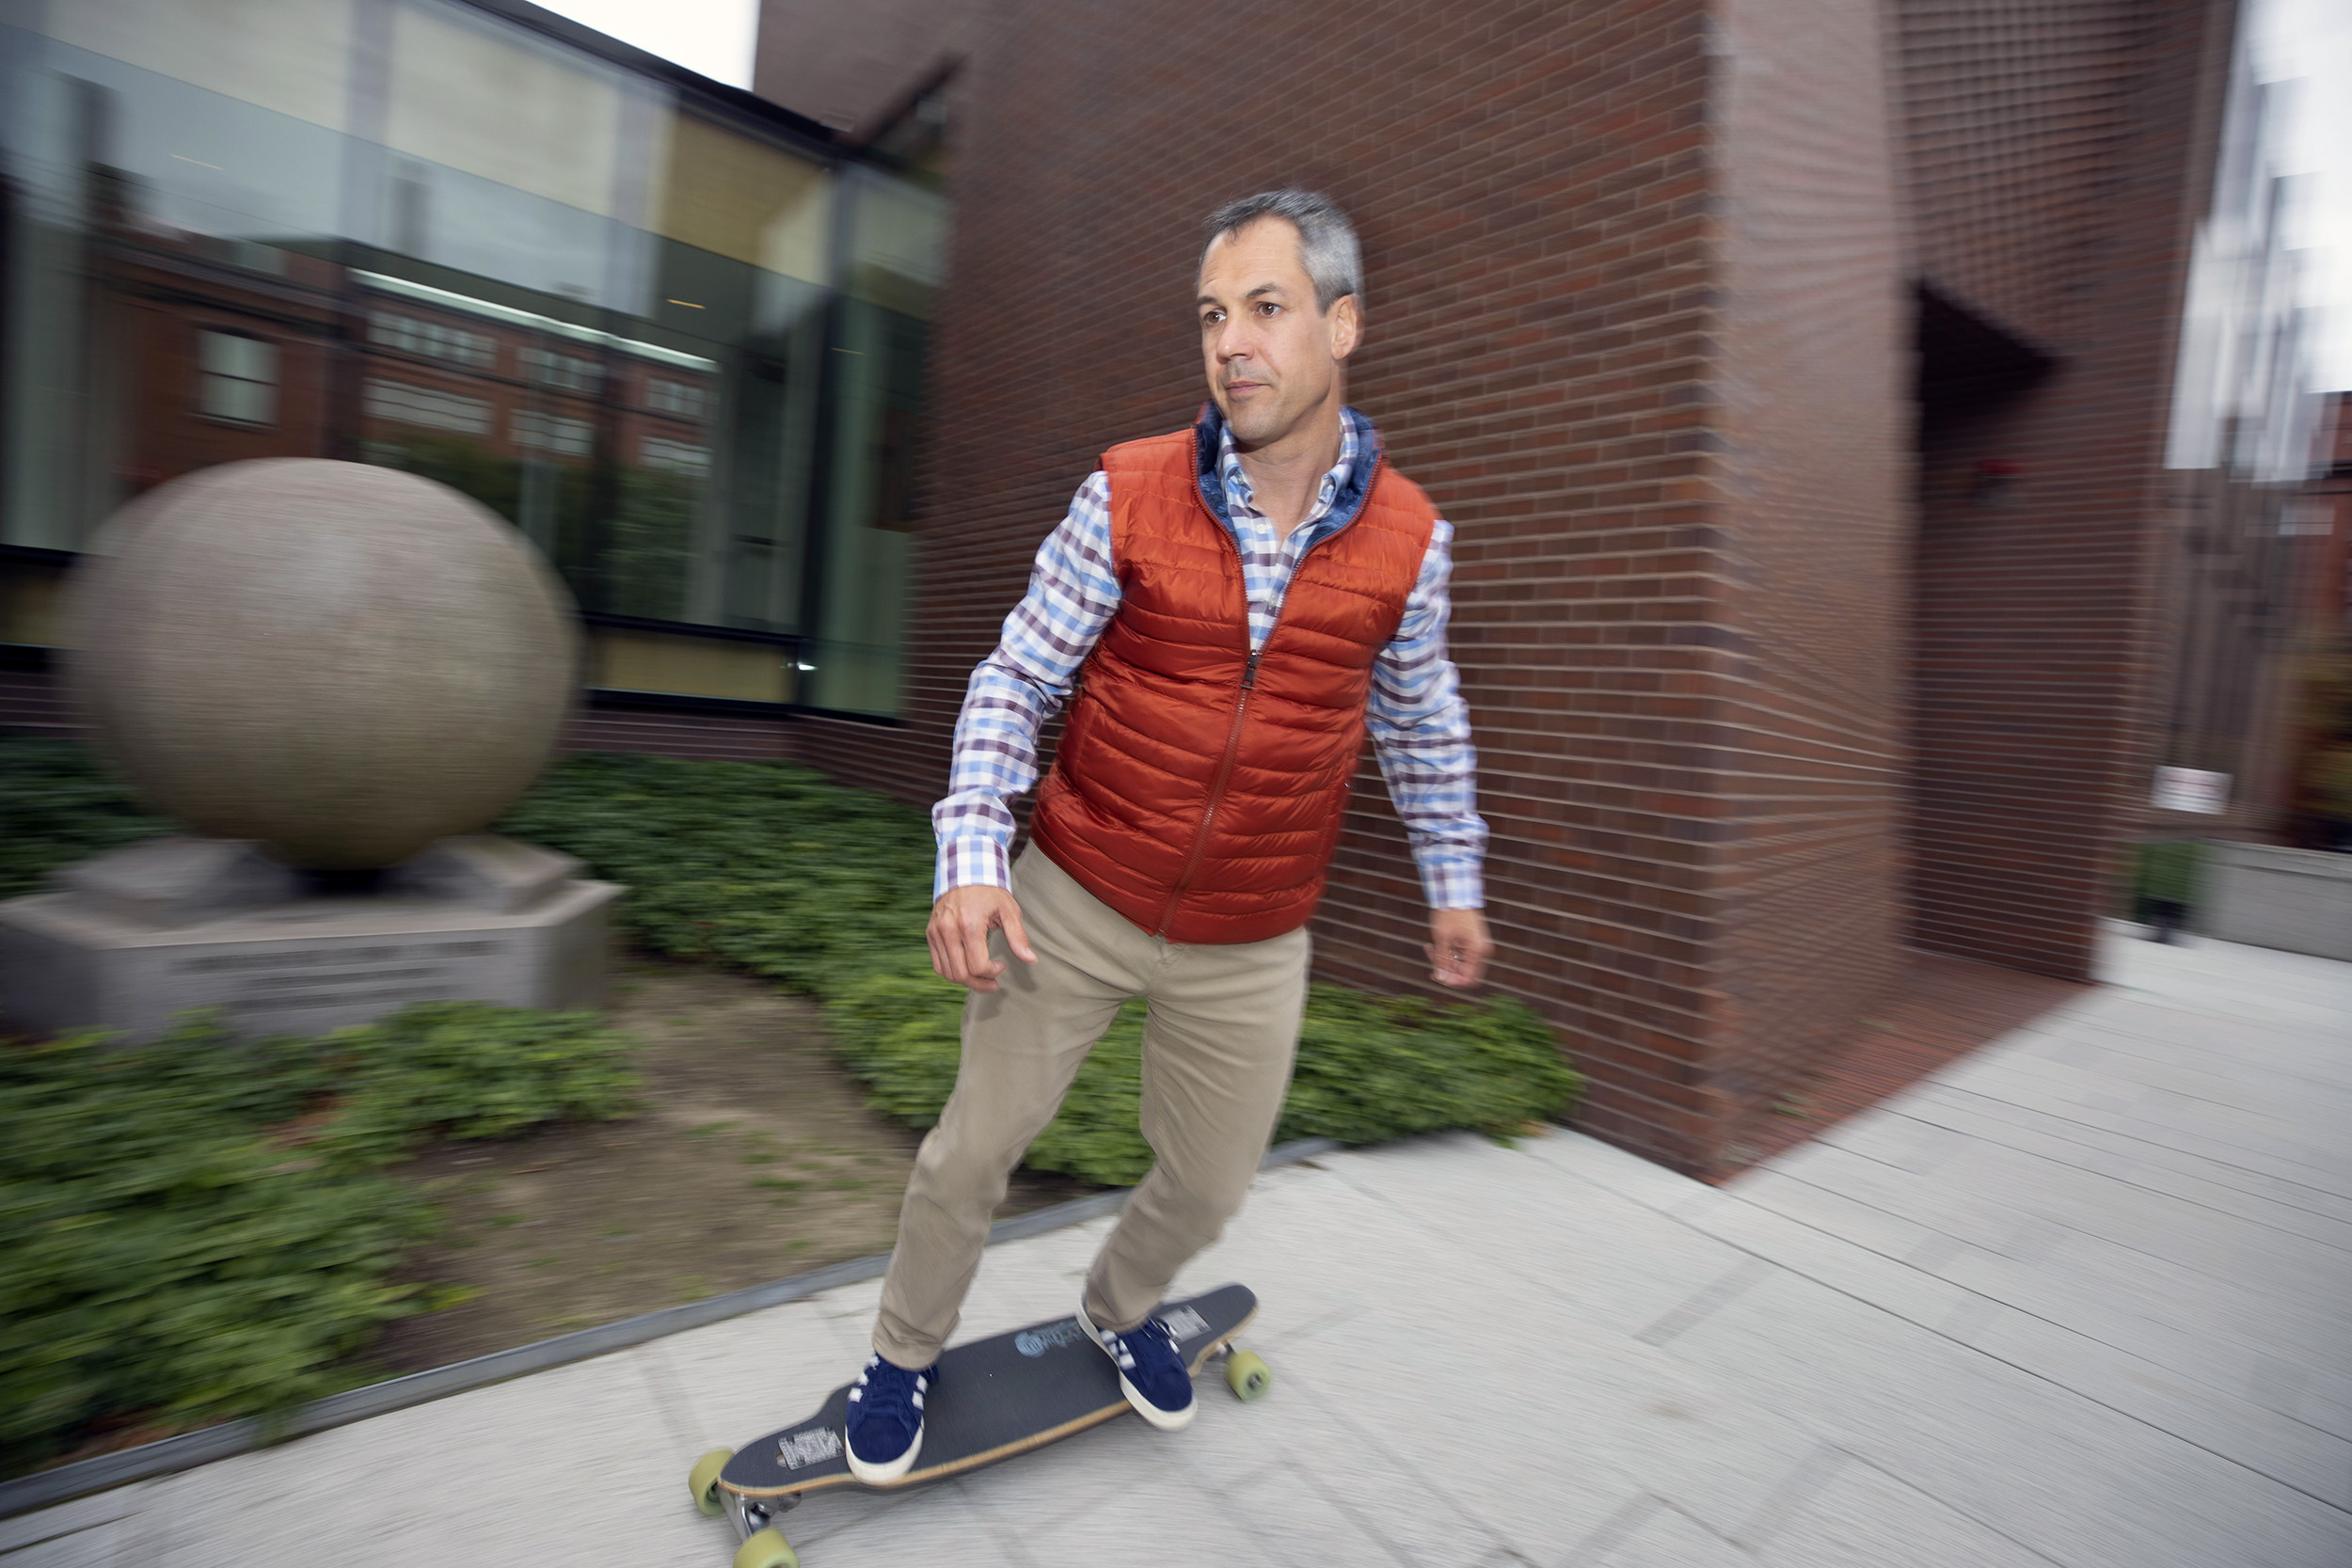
(2076, 1300)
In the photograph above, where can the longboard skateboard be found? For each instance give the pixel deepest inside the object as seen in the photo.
(994, 1399)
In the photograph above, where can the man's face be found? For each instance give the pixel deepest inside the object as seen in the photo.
(1272, 358)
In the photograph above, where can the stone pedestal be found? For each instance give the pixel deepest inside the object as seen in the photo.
(129, 938)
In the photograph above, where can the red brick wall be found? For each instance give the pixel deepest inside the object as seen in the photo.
(2032, 630)
(1686, 746)
(1813, 580)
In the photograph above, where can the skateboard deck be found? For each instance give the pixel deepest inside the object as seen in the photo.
(992, 1399)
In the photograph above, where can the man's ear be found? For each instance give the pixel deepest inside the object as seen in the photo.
(1347, 327)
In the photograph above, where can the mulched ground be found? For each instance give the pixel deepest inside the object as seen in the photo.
(754, 1157)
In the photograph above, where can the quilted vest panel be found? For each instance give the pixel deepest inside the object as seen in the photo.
(1197, 791)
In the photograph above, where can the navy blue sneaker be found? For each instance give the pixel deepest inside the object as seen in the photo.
(884, 1430)
(1152, 1376)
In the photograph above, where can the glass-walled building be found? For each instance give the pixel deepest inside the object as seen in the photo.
(672, 332)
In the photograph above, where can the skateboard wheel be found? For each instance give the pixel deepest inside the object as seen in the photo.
(702, 1481)
(766, 1548)
(1248, 1375)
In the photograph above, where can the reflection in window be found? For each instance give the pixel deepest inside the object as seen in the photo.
(433, 339)
(566, 372)
(428, 407)
(604, 304)
(673, 397)
(553, 433)
(239, 378)
(684, 457)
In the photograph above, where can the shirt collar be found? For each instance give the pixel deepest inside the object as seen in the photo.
(1241, 496)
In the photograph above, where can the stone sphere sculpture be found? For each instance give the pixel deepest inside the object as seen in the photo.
(342, 662)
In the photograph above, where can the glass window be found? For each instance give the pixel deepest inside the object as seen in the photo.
(293, 56)
(673, 397)
(553, 433)
(567, 372)
(504, 105)
(747, 200)
(433, 339)
(237, 379)
(898, 241)
(684, 457)
(427, 407)
(676, 345)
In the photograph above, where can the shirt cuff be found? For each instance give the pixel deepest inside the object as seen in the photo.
(1454, 885)
(974, 861)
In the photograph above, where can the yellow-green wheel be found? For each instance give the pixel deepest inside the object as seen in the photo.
(767, 1549)
(703, 1481)
(1248, 1375)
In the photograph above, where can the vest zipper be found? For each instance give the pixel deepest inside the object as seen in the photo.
(1217, 790)
(1240, 709)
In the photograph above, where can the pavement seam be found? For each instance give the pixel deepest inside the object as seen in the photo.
(1634, 1523)
(2082, 1133)
(1998, 1303)
(2066, 1388)
(669, 1394)
(1006, 1539)
(2233, 1158)
(1858, 1461)
(2167, 1193)
(1470, 1522)
(1615, 1530)
(1812, 1475)
(1742, 1278)
(2035, 1220)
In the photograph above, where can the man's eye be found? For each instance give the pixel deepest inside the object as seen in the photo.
(1268, 308)
(1212, 318)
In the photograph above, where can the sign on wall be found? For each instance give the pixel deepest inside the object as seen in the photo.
(2191, 789)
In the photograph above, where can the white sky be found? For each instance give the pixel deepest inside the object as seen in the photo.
(2309, 42)
(713, 37)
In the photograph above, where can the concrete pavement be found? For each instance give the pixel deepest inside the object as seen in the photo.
(2080, 1299)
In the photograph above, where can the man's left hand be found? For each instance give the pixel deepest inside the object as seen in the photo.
(1458, 947)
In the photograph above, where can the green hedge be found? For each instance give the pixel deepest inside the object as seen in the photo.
(826, 890)
(823, 889)
(199, 1227)
(58, 806)
(2167, 871)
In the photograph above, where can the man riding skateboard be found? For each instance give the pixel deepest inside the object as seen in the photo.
(1232, 605)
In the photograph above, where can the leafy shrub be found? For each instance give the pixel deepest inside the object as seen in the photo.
(199, 1227)
(826, 890)
(1367, 1069)
(774, 869)
(58, 806)
(469, 1070)
(767, 867)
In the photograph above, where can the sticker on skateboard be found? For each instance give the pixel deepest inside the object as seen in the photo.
(994, 1399)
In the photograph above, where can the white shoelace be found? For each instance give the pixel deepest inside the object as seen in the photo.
(857, 1394)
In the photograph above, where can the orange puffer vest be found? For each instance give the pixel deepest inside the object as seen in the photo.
(1199, 791)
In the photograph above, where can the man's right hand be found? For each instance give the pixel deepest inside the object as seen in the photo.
(961, 921)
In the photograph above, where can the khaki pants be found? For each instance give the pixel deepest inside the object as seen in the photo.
(1223, 1028)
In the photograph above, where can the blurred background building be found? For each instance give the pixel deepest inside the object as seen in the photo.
(674, 332)
(1836, 563)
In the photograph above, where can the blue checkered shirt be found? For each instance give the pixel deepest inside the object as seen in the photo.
(1419, 723)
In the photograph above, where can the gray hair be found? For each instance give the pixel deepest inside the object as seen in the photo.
(1327, 241)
